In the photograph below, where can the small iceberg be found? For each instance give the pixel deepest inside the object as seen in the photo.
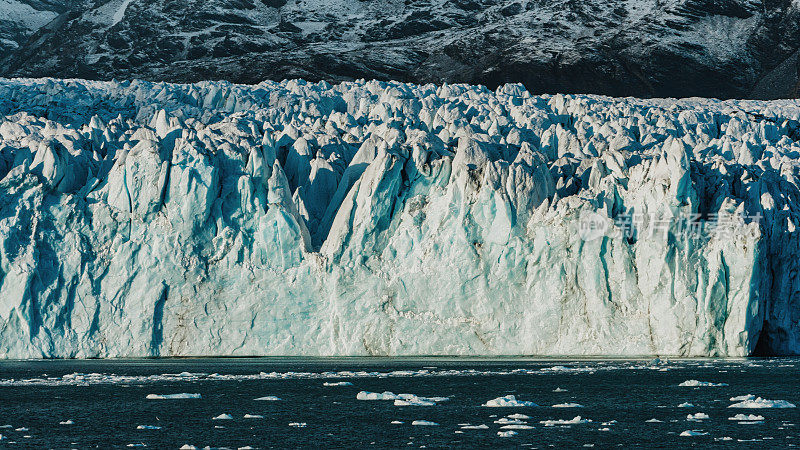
(693, 433)
(223, 417)
(760, 403)
(148, 427)
(181, 396)
(253, 416)
(508, 401)
(518, 416)
(505, 434)
(67, 422)
(475, 427)
(686, 405)
(697, 417)
(516, 427)
(558, 389)
(298, 424)
(747, 418)
(654, 421)
(695, 383)
(337, 383)
(424, 423)
(568, 405)
(268, 398)
(574, 421)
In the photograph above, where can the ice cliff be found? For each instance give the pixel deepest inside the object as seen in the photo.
(382, 218)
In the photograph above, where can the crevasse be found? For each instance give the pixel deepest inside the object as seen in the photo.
(382, 218)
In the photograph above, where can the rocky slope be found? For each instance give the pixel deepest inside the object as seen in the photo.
(664, 48)
(378, 218)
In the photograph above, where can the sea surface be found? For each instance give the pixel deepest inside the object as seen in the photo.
(314, 403)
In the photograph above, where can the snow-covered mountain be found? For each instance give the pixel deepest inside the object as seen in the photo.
(393, 219)
(708, 48)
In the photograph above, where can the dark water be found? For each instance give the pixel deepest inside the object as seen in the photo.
(617, 396)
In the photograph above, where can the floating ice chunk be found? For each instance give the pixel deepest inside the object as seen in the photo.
(568, 405)
(337, 383)
(268, 398)
(654, 421)
(181, 396)
(246, 447)
(574, 421)
(298, 424)
(558, 389)
(506, 420)
(743, 398)
(365, 395)
(518, 416)
(397, 422)
(253, 416)
(505, 434)
(693, 433)
(67, 422)
(475, 427)
(516, 427)
(746, 417)
(188, 447)
(424, 423)
(695, 383)
(604, 429)
(759, 403)
(697, 417)
(686, 405)
(139, 444)
(223, 416)
(509, 401)
(148, 427)
(22, 429)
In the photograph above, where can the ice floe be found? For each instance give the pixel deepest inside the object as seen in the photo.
(508, 401)
(424, 423)
(568, 405)
(693, 433)
(267, 398)
(223, 416)
(696, 383)
(148, 427)
(697, 417)
(505, 434)
(181, 396)
(337, 383)
(298, 424)
(557, 422)
(66, 422)
(759, 403)
(253, 416)
(475, 427)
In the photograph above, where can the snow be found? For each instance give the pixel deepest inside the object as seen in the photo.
(758, 403)
(24, 15)
(119, 14)
(424, 423)
(181, 396)
(313, 199)
(695, 383)
(508, 401)
(561, 422)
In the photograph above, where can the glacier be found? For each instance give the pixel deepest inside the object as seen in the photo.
(384, 218)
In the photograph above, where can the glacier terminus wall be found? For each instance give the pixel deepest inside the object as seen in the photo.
(382, 218)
